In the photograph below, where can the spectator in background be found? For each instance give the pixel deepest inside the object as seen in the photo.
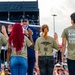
(59, 52)
(40, 31)
(54, 50)
(9, 29)
(61, 71)
(65, 66)
(57, 66)
(17, 51)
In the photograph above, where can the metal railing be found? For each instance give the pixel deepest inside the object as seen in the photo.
(33, 22)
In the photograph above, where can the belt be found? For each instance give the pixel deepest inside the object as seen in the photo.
(46, 57)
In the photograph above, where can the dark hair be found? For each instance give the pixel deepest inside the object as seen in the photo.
(44, 26)
(24, 20)
(73, 17)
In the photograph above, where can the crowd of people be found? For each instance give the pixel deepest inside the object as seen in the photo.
(30, 54)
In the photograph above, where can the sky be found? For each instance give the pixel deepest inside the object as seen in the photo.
(62, 8)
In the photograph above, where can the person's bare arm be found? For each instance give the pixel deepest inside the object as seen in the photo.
(63, 47)
(36, 63)
(4, 31)
(30, 37)
(8, 55)
(36, 55)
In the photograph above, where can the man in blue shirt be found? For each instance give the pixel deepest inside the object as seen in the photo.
(33, 37)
